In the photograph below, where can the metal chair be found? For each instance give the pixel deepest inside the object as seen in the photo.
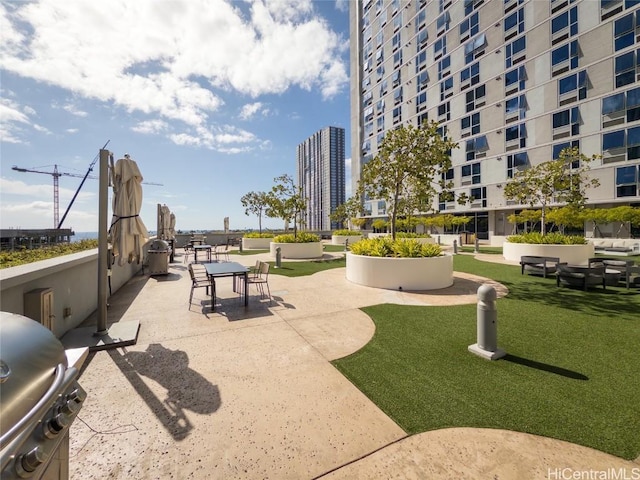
(222, 251)
(188, 251)
(198, 281)
(260, 279)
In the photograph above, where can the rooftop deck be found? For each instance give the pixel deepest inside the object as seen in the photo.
(249, 392)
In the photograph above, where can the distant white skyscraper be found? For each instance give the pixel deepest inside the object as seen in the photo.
(320, 174)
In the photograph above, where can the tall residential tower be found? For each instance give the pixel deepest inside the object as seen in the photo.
(320, 174)
(512, 81)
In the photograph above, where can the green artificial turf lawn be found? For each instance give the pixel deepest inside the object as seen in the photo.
(572, 370)
(333, 248)
(299, 269)
(250, 252)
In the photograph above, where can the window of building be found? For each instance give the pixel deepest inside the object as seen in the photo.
(397, 95)
(395, 41)
(564, 25)
(470, 76)
(421, 19)
(422, 38)
(440, 47)
(397, 59)
(620, 107)
(476, 148)
(514, 80)
(517, 162)
(380, 106)
(444, 112)
(446, 88)
(514, 24)
(470, 174)
(379, 38)
(469, 27)
(515, 51)
(366, 147)
(380, 138)
(421, 60)
(572, 88)
(396, 78)
(516, 136)
(564, 58)
(478, 197)
(367, 98)
(470, 125)
(368, 114)
(397, 114)
(380, 72)
(474, 48)
(445, 200)
(627, 180)
(626, 66)
(566, 123)
(366, 82)
(442, 131)
(423, 118)
(380, 55)
(471, 5)
(444, 67)
(475, 98)
(443, 5)
(515, 108)
(368, 129)
(421, 101)
(380, 123)
(442, 23)
(383, 18)
(384, 87)
(625, 30)
(397, 22)
(367, 65)
(382, 207)
(510, 5)
(621, 145)
(422, 80)
(558, 147)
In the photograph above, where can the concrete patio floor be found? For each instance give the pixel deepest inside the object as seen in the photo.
(250, 393)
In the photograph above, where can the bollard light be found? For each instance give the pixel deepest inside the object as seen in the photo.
(476, 247)
(487, 325)
(346, 244)
(278, 258)
(455, 247)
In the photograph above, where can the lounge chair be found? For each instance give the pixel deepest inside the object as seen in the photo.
(580, 275)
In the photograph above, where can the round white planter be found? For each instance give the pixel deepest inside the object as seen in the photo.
(571, 254)
(425, 273)
(297, 250)
(340, 239)
(256, 243)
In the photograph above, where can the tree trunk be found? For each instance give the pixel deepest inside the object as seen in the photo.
(543, 222)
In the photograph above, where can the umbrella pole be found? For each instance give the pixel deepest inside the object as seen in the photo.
(103, 244)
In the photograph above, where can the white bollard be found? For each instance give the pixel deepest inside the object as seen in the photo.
(487, 325)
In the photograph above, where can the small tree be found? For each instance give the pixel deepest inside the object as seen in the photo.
(409, 163)
(347, 211)
(564, 217)
(285, 201)
(528, 217)
(624, 214)
(557, 181)
(255, 203)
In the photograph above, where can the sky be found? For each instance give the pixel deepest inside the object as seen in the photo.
(209, 97)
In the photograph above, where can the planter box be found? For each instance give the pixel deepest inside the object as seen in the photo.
(571, 254)
(427, 273)
(340, 239)
(256, 243)
(422, 240)
(297, 250)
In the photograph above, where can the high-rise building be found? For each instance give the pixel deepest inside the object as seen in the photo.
(320, 175)
(512, 81)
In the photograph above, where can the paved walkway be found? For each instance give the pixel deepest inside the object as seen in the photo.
(250, 393)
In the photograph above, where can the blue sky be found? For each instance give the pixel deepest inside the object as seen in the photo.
(209, 97)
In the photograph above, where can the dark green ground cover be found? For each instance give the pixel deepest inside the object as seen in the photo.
(572, 370)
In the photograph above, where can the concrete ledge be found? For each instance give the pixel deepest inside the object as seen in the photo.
(571, 254)
(297, 250)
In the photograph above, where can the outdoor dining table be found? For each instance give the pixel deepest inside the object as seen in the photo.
(197, 248)
(228, 269)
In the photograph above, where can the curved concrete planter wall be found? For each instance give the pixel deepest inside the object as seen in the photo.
(340, 239)
(572, 254)
(427, 273)
(256, 243)
(297, 250)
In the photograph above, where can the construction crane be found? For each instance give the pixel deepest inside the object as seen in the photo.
(56, 174)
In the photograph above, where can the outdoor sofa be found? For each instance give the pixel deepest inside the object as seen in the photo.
(536, 265)
(580, 275)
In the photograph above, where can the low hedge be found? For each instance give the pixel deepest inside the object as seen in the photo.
(553, 238)
(401, 248)
(302, 237)
(258, 235)
(346, 233)
(412, 235)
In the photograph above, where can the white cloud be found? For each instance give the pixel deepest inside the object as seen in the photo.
(73, 110)
(171, 58)
(250, 109)
(151, 126)
(14, 119)
(20, 188)
(72, 130)
(342, 5)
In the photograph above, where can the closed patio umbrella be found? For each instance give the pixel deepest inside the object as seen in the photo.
(128, 232)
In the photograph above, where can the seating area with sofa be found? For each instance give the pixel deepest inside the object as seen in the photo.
(616, 246)
(535, 265)
(580, 275)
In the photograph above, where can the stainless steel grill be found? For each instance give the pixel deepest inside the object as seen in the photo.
(39, 399)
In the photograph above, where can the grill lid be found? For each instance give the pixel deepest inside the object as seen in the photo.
(29, 354)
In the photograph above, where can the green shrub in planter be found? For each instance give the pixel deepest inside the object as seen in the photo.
(402, 248)
(302, 237)
(258, 235)
(412, 235)
(346, 233)
(553, 238)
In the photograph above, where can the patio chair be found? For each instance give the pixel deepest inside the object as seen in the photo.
(617, 270)
(198, 280)
(536, 265)
(580, 275)
(222, 251)
(188, 251)
(260, 279)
